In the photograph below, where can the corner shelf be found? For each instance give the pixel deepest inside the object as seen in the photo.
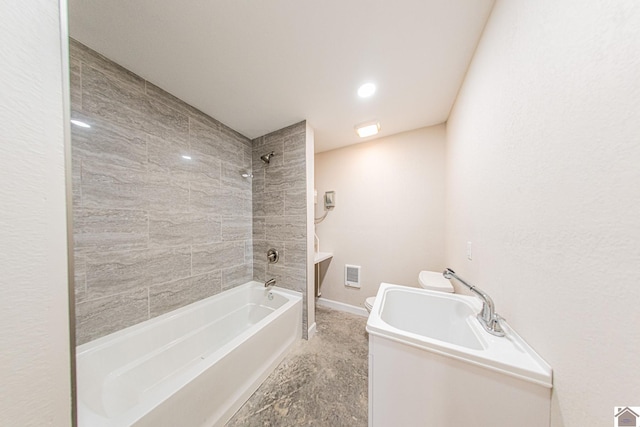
(322, 256)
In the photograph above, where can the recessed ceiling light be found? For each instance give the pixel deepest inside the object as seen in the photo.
(80, 123)
(184, 156)
(366, 90)
(368, 129)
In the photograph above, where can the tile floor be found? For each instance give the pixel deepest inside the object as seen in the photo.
(322, 382)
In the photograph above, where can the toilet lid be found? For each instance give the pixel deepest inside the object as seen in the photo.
(370, 301)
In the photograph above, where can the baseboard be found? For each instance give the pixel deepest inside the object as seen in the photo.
(336, 305)
(312, 331)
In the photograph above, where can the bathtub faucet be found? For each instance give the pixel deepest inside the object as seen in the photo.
(269, 283)
(488, 317)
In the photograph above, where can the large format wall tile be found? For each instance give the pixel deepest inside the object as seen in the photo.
(295, 203)
(236, 228)
(230, 202)
(80, 276)
(102, 316)
(164, 264)
(216, 256)
(286, 228)
(168, 196)
(108, 142)
(75, 77)
(90, 58)
(172, 295)
(259, 229)
(156, 93)
(273, 203)
(234, 276)
(285, 177)
(211, 140)
(111, 273)
(279, 209)
(108, 229)
(288, 277)
(162, 215)
(231, 177)
(113, 99)
(176, 160)
(112, 186)
(295, 254)
(192, 228)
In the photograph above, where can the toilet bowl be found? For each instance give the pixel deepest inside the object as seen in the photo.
(368, 303)
(431, 280)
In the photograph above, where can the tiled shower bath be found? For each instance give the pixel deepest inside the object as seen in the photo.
(162, 215)
(279, 209)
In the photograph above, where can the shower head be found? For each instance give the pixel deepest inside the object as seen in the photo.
(267, 157)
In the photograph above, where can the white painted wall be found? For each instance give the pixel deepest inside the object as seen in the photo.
(543, 176)
(389, 214)
(34, 324)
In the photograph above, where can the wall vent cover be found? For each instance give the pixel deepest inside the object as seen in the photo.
(352, 275)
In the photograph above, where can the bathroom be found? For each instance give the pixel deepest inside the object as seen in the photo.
(527, 186)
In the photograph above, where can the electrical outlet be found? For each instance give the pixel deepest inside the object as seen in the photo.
(469, 252)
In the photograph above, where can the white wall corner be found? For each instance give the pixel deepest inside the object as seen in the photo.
(310, 158)
(34, 289)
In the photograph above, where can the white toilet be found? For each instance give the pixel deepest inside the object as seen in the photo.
(432, 280)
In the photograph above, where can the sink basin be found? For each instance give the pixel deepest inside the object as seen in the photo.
(426, 315)
(431, 363)
(446, 324)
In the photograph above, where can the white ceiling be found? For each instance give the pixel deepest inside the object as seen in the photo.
(258, 66)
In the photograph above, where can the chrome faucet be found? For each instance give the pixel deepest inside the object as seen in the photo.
(488, 317)
(270, 282)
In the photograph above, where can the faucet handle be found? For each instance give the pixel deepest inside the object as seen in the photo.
(273, 256)
(492, 325)
(496, 324)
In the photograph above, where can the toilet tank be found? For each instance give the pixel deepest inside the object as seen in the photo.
(434, 281)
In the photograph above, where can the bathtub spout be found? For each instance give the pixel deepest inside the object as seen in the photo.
(269, 283)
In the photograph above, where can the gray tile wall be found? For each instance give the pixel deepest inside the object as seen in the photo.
(279, 209)
(153, 231)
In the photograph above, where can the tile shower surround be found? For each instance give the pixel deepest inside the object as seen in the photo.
(154, 231)
(279, 209)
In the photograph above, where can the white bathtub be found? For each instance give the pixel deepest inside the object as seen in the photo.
(194, 366)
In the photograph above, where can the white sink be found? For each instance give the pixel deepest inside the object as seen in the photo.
(431, 363)
(446, 324)
(426, 315)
